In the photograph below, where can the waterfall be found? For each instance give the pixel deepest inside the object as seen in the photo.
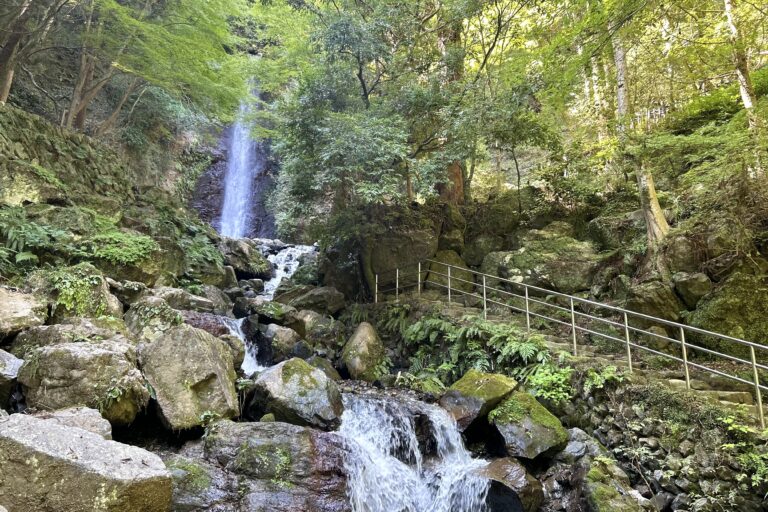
(386, 469)
(285, 262)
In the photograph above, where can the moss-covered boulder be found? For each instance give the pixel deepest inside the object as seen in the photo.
(183, 300)
(193, 376)
(612, 232)
(245, 257)
(76, 330)
(281, 467)
(200, 485)
(19, 311)
(364, 355)
(325, 366)
(607, 487)
(323, 332)
(461, 278)
(9, 370)
(477, 249)
(654, 298)
(680, 254)
(100, 375)
(527, 427)
(150, 317)
(282, 340)
(297, 393)
(509, 474)
(691, 288)
(48, 467)
(475, 395)
(325, 300)
(550, 258)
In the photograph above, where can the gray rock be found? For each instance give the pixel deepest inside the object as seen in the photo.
(19, 311)
(9, 371)
(47, 467)
(364, 354)
(282, 339)
(691, 287)
(79, 417)
(200, 485)
(151, 317)
(527, 427)
(476, 250)
(245, 257)
(183, 300)
(75, 330)
(513, 475)
(193, 376)
(325, 300)
(298, 393)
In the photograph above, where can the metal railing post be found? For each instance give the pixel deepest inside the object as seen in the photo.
(418, 283)
(449, 285)
(376, 291)
(573, 326)
(397, 285)
(629, 347)
(685, 359)
(527, 311)
(485, 301)
(759, 396)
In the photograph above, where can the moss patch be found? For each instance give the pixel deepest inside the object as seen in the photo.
(521, 405)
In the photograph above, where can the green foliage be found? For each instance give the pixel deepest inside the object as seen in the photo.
(600, 377)
(119, 247)
(551, 383)
(75, 289)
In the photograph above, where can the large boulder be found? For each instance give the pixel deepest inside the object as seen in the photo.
(76, 330)
(245, 257)
(323, 332)
(210, 323)
(509, 473)
(527, 427)
(680, 254)
(607, 487)
(281, 467)
(298, 393)
(151, 317)
(200, 485)
(282, 340)
(48, 467)
(9, 370)
(475, 395)
(183, 300)
(193, 376)
(99, 375)
(364, 355)
(79, 417)
(612, 232)
(476, 250)
(461, 278)
(549, 258)
(325, 300)
(691, 287)
(654, 298)
(19, 311)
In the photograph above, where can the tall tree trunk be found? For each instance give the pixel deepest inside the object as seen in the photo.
(110, 122)
(655, 222)
(622, 103)
(9, 52)
(453, 190)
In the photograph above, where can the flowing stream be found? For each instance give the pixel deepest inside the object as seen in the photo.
(387, 470)
(285, 262)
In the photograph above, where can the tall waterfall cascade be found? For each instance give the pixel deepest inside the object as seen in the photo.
(387, 471)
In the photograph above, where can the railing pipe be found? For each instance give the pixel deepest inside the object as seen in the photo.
(573, 327)
(685, 359)
(758, 394)
(376, 290)
(449, 284)
(397, 285)
(485, 301)
(527, 310)
(629, 344)
(418, 280)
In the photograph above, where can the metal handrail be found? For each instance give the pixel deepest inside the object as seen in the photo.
(449, 278)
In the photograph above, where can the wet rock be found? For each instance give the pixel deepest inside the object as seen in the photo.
(199, 485)
(253, 285)
(151, 317)
(527, 427)
(79, 417)
(325, 300)
(511, 474)
(48, 467)
(364, 354)
(208, 322)
(76, 330)
(461, 278)
(183, 300)
(475, 395)
(101, 375)
(19, 311)
(9, 370)
(193, 376)
(281, 467)
(282, 339)
(691, 287)
(244, 256)
(236, 347)
(298, 393)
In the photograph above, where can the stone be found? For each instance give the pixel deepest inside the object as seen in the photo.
(512, 474)
(461, 278)
(19, 311)
(76, 330)
(527, 427)
(320, 331)
(298, 393)
(607, 487)
(475, 395)
(193, 376)
(79, 417)
(691, 287)
(613, 232)
(245, 258)
(476, 250)
(281, 467)
(451, 240)
(236, 347)
(680, 254)
(48, 467)
(325, 366)
(127, 292)
(151, 317)
(364, 355)
(99, 375)
(654, 298)
(200, 485)
(254, 285)
(9, 370)
(282, 340)
(183, 300)
(222, 304)
(325, 300)
(210, 323)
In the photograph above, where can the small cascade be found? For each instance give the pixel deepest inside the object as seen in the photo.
(387, 471)
(286, 262)
(250, 364)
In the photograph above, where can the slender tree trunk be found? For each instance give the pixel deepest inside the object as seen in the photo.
(9, 52)
(655, 221)
(110, 122)
(453, 190)
(622, 103)
(519, 184)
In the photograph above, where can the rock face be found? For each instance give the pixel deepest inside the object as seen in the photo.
(183, 300)
(101, 375)
(325, 300)
(151, 317)
(199, 485)
(245, 257)
(281, 467)
(193, 376)
(47, 467)
(79, 417)
(655, 298)
(19, 311)
(298, 393)
(461, 278)
(76, 330)
(364, 353)
(9, 370)
(476, 250)
(550, 258)
(397, 249)
(511, 474)
(475, 395)
(282, 339)
(527, 427)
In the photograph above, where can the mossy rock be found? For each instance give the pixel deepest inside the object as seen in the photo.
(477, 249)
(607, 487)
(150, 317)
(461, 278)
(475, 395)
(527, 427)
(364, 355)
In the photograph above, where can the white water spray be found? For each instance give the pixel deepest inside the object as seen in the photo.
(286, 262)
